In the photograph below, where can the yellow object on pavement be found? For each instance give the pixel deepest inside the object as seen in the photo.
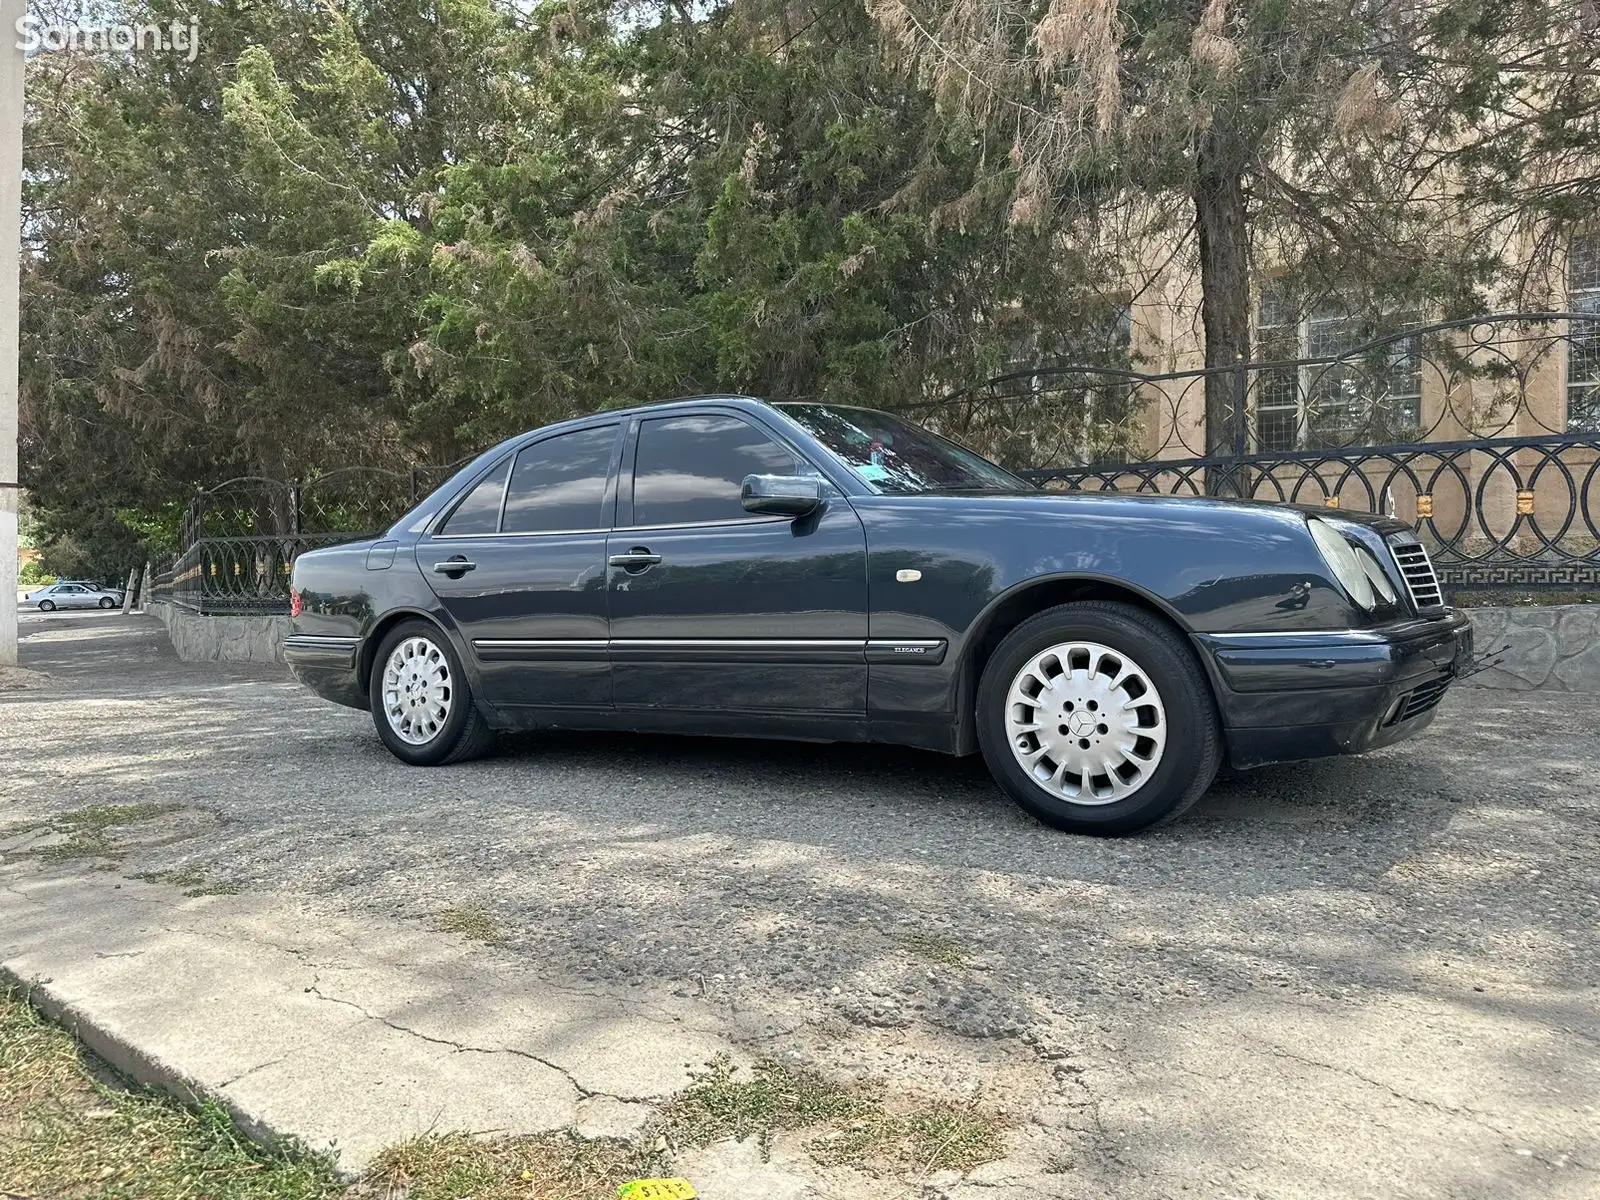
(657, 1189)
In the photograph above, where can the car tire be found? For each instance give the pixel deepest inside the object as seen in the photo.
(1040, 704)
(421, 702)
(47, 606)
(107, 602)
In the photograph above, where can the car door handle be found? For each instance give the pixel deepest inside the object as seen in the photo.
(635, 560)
(455, 566)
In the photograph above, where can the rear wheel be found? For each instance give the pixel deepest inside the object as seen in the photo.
(421, 702)
(47, 606)
(1096, 718)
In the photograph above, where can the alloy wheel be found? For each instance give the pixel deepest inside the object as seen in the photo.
(418, 690)
(1086, 723)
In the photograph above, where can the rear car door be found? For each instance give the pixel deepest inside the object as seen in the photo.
(714, 609)
(520, 566)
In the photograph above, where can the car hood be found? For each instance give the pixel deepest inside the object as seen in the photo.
(1226, 510)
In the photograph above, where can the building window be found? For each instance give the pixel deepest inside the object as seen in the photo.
(1583, 348)
(1339, 398)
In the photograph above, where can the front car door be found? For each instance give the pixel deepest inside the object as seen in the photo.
(520, 566)
(716, 610)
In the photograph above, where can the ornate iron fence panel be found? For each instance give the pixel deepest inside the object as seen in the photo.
(1495, 513)
(1483, 433)
(238, 575)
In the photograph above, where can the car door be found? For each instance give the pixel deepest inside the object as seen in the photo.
(520, 566)
(73, 595)
(714, 609)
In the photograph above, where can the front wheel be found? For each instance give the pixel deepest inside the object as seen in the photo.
(107, 602)
(1096, 718)
(421, 702)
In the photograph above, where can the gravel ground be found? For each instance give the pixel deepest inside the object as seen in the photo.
(1352, 977)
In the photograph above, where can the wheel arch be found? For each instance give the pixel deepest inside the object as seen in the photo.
(366, 659)
(1015, 605)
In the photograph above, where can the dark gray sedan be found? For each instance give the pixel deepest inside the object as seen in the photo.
(728, 566)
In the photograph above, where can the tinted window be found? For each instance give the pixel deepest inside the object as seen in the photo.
(690, 469)
(559, 483)
(480, 511)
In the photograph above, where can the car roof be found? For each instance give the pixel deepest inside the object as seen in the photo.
(653, 408)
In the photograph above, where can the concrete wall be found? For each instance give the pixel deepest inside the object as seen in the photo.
(199, 638)
(1553, 648)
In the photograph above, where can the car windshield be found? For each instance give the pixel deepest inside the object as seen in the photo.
(893, 456)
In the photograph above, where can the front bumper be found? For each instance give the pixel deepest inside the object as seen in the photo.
(1289, 696)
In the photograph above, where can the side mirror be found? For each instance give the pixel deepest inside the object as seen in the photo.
(781, 495)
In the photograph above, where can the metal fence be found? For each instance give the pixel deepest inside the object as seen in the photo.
(240, 538)
(1483, 433)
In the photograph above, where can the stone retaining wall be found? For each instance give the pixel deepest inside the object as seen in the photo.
(1552, 647)
(199, 638)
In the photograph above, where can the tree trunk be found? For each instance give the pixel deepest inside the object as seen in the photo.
(1224, 294)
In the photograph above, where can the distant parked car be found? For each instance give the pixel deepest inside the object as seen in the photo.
(72, 594)
(722, 565)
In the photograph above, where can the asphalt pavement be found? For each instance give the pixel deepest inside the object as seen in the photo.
(1368, 976)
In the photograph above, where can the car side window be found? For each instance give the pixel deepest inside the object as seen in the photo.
(560, 483)
(689, 470)
(480, 511)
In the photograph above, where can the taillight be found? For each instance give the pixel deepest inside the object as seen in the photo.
(296, 605)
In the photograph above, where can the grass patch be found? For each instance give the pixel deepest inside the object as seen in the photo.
(852, 1124)
(88, 830)
(849, 1124)
(65, 1133)
(551, 1166)
(470, 922)
(935, 948)
(192, 880)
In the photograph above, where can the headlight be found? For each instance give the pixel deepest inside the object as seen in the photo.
(1377, 576)
(1344, 562)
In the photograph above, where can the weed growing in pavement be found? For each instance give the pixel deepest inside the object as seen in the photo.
(184, 877)
(88, 830)
(547, 1166)
(65, 1131)
(470, 922)
(852, 1124)
(935, 947)
(192, 880)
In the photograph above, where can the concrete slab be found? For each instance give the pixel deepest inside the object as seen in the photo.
(347, 1034)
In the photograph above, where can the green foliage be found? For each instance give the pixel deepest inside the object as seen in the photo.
(32, 575)
(391, 232)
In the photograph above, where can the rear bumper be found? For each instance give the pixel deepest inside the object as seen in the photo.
(1293, 696)
(327, 665)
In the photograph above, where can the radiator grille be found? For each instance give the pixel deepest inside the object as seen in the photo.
(1414, 563)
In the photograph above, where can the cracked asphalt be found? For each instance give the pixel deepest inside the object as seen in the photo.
(1356, 977)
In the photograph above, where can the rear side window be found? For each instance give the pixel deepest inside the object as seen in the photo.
(690, 470)
(480, 511)
(560, 483)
